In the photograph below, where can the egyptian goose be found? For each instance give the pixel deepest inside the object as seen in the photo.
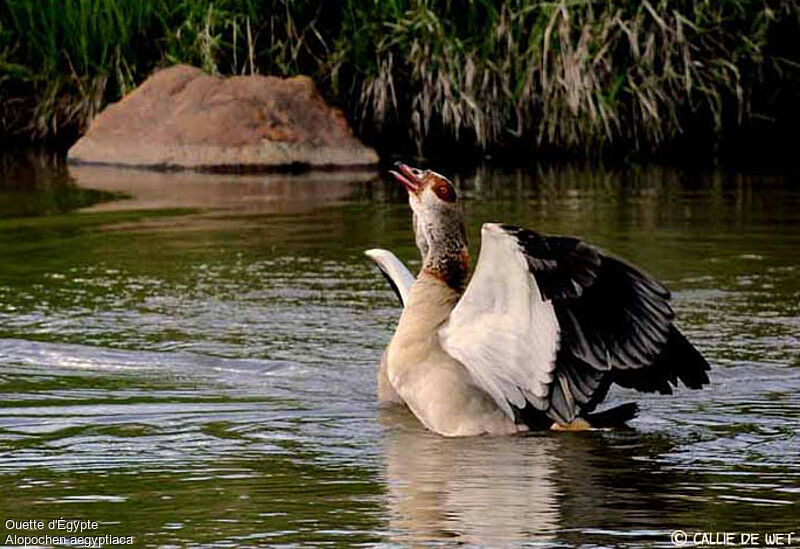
(535, 340)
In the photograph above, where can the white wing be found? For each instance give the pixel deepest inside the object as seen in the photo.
(502, 330)
(397, 275)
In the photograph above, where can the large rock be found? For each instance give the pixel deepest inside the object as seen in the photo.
(181, 117)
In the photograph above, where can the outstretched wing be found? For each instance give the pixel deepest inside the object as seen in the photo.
(396, 274)
(551, 321)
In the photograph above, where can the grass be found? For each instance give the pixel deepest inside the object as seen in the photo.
(570, 75)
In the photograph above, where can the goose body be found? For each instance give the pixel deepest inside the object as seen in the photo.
(537, 337)
(433, 384)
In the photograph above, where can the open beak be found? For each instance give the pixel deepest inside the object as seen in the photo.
(408, 176)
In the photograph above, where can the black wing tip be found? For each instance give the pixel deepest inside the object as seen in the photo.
(617, 416)
(690, 366)
(392, 284)
(512, 229)
(679, 363)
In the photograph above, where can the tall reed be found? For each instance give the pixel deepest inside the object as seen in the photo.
(486, 73)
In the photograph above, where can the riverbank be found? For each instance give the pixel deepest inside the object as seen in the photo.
(434, 78)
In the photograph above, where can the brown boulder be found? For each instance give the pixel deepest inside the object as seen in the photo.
(181, 117)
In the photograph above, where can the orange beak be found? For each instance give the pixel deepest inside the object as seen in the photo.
(408, 177)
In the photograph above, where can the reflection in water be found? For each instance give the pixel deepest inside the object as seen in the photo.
(538, 487)
(211, 377)
(484, 490)
(275, 192)
(39, 184)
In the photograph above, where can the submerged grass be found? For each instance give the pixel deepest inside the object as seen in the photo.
(566, 74)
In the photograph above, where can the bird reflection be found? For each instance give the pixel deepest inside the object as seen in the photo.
(476, 490)
(493, 490)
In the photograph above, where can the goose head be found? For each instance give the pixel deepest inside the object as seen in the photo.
(438, 221)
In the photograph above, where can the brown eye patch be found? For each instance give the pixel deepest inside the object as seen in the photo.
(445, 191)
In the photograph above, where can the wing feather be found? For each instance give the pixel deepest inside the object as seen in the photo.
(551, 322)
(502, 330)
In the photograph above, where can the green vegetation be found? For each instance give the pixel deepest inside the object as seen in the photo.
(564, 74)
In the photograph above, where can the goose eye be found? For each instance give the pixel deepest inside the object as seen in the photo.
(445, 191)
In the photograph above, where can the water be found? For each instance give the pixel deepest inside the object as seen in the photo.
(204, 373)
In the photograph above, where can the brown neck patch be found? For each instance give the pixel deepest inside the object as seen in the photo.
(450, 269)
